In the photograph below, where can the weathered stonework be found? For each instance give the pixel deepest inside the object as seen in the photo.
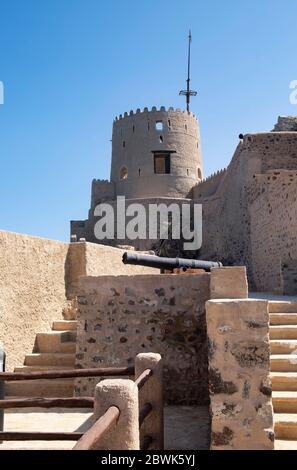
(240, 388)
(286, 124)
(121, 316)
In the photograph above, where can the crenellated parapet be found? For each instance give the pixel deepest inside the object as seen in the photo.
(154, 109)
(102, 190)
(208, 186)
(213, 175)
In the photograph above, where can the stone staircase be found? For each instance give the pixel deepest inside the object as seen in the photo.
(283, 343)
(52, 350)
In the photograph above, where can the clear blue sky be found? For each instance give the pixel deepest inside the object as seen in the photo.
(70, 66)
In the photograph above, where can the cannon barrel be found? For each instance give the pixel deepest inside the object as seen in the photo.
(168, 263)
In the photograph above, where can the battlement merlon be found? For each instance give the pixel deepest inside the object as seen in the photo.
(154, 110)
(102, 190)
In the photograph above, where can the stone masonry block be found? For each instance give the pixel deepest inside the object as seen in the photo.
(239, 374)
(228, 283)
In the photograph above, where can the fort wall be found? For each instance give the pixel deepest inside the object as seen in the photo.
(209, 185)
(273, 215)
(37, 278)
(33, 291)
(120, 316)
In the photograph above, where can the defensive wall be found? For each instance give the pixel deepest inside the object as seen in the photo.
(119, 315)
(38, 277)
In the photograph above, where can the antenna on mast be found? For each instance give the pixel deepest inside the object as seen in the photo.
(188, 92)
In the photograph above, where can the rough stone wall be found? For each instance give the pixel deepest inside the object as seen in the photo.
(121, 316)
(286, 124)
(37, 277)
(135, 138)
(239, 381)
(273, 215)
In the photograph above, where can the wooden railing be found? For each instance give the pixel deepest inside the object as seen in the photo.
(91, 439)
(148, 368)
(67, 374)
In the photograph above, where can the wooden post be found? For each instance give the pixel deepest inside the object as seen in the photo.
(151, 392)
(123, 394)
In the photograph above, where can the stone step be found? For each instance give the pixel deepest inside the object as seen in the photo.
(284, 381)
(64, 325)
(283, 319)
(282, 307)
(283, 346)
(285, 426)
(283, 362)
(40, 388)
(285, 444)
(50, 359)
(284, 402)
(55, 341)
(283, 332)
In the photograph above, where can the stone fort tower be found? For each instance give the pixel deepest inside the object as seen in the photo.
(155, 154)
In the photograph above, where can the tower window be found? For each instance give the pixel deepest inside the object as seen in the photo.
(159, 125)
(186, 128)
(124, 173)
(133, 128)
(124, 143)
(161, 163)
(199, 174)
(169, 123)
(161, 139)
(139, 172)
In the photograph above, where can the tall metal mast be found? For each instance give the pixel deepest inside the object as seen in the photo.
(188, 92)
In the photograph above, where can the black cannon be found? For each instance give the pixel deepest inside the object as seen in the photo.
(168, 263)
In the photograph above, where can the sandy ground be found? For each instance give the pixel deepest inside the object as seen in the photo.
(185, 427)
